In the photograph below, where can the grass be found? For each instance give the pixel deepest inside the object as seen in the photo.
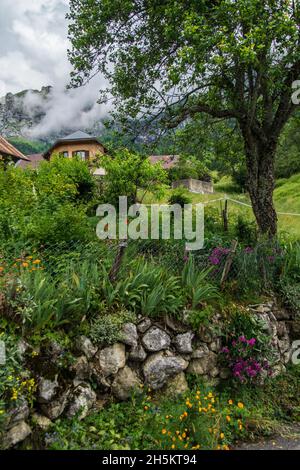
(286, 199)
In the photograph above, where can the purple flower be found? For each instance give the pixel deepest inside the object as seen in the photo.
(251, 341)
(248, 249)
(242, 339)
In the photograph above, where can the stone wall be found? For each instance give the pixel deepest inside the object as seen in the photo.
(156, 354)
(195, 186)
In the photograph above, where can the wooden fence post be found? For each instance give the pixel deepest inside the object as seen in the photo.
(228, 262)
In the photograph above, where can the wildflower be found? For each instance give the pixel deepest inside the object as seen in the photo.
(146, 407)
(34, 354)
(222, 435)
(240, 405)
(240, 427)
(228, 419)
(230, 402)
(25, 265)
(164, 431)
(172, 446)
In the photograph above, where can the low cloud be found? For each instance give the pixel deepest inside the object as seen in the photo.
(33, 53)
(66, 110)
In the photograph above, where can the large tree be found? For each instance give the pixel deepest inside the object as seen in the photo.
(173, 59)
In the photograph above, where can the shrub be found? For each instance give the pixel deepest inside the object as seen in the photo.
(180, 196)
(107, 328)
(197, 288)
(247, 351)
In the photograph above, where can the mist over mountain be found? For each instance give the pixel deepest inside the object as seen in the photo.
(50, 113)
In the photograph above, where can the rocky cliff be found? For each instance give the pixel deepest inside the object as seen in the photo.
(23, 111)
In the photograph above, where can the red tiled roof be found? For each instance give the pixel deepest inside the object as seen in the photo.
(9, 150)
(33, 161)
(168, 161)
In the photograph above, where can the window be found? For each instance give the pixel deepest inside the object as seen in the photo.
(64, 154)
(83, 154)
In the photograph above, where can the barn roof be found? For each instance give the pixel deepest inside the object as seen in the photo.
(9, 150)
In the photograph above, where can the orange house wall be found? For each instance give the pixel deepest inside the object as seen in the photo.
(93, 148)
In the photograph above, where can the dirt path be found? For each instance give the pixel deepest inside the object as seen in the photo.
(287, 439)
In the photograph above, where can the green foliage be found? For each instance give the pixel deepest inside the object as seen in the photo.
(145, 423)
(180, 196)
(128, 172)
(189, 167)
(28, 147)
(197, 288)
(144, 288)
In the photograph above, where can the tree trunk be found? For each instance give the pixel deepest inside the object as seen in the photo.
(261, 182)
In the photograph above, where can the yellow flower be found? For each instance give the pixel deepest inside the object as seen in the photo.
(172, 446)
(240, 405)
(222, 435)
(164, 431)
(25, 265)
(1, 269)
(230, 402)
(240, 427)
(36, 261)
(146, 407)
(29, 257)
(228, 419)
(184, 435)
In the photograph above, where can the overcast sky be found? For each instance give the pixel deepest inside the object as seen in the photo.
(33, 44)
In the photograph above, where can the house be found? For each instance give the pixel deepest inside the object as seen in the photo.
(33, 161)
(9, 152)
(78, 144)
(168, 161)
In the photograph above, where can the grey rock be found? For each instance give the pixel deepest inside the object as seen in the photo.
(201, 351)
(144, 325)
(284, 345)
(159, 367)
(47, 389)
(22, 348)
(183, 342)
(81, 401)
(214, 372)
(16, 434)
(138, 354)
(17, 414)
(176, 385)
(215, 346)
(112, 358)
(41, 421)
(156, 339)
(82, 370)
(86, 347)
(205, 334)
(56, 407)
(203, 365)
(129, 334)
(125, 383)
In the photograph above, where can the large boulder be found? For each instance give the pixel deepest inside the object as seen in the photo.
(125, 382)
(112, 358)
(183, 342)
(16, 434)
(203, 365)
(160, 367)
(129, 334)
(41, 421)
(81, 401)
(85, 346)
(156, 339)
